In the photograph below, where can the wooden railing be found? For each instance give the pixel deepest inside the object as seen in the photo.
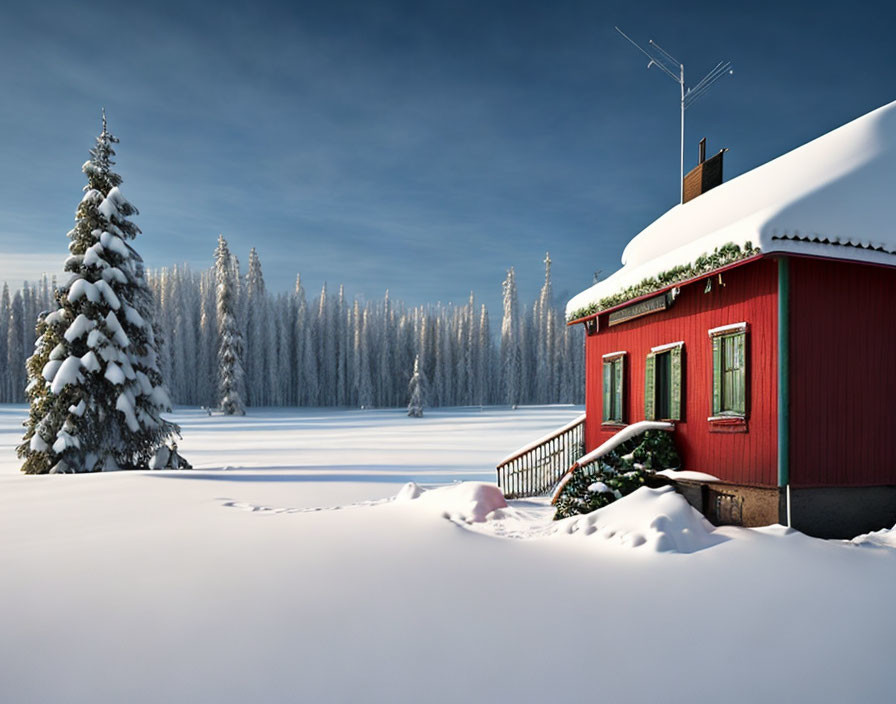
(535, 469)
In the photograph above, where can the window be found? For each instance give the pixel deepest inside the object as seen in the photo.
(663, 383)
(614, 375)
(729, 371)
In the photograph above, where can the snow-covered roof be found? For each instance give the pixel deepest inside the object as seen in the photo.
(832, 197)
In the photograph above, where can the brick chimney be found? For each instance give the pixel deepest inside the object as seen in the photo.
(706, 175)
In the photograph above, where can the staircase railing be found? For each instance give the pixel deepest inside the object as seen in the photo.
(535, 469)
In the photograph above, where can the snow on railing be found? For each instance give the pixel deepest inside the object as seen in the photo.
(627, 433)
(535, 468)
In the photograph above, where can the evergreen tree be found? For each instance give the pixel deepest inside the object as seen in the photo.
(511, 353)
(30, 309)
(485, 365)
(208, 335)
(15, 348)
(95, 388)
(543, 326)
(341, 332)
(383, 341)
(256, 323)
(356, 366)
(164, 322)
(365, 382)
(311, 370)
(5, 395)
(306, 379)
(46, 299)
(417, 388)
(326, 346)
(230, 340)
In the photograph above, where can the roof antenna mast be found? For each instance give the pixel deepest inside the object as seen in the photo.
(669, 65)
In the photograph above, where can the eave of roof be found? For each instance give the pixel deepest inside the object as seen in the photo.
(666, 289)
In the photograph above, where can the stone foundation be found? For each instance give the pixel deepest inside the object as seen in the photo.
(827, 512)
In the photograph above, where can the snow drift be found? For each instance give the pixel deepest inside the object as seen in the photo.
(653, 520)
(656, 520)
(467, 502)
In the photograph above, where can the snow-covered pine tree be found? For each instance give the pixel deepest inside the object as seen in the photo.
(365, 381)
(231, 379)
(485, 361)
(355, 388)
(164, 321)
(181, 328)
(405, 339)
(208, 335)
(306, 373)
(256, 322)
(326, 348)
(274, 379)
(5, 311)
(46, 299)
(15, 348)
(383, 342)
(417, 388)
(543, 330)
(341, 333)
(30, 309)
(95, 389)
(511, 354)
(188, 342)
(311, 386)
(471, 350)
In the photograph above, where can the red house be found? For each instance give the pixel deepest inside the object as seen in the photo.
(760, 318)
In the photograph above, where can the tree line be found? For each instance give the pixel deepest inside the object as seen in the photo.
(327, 350)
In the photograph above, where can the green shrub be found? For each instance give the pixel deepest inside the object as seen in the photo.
(621, 471)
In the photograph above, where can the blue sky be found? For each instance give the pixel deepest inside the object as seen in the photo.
(417, 146)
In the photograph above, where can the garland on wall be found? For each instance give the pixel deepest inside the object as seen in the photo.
(704, 264)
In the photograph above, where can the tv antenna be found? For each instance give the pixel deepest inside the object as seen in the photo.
(669, 65)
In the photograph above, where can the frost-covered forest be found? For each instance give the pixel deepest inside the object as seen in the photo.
(301, 349)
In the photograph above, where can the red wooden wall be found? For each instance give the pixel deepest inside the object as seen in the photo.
(842, 374)
(749, 294)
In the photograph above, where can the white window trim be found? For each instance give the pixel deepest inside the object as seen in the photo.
(611, 355)
(724, 329)
(670, 346)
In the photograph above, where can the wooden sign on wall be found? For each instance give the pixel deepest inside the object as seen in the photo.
(651, 305)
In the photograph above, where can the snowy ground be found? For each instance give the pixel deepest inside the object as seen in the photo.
(281, 570)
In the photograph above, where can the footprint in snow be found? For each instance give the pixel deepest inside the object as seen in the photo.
(256, 508)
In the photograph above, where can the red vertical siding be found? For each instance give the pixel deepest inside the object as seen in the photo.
(842, 373)
(749, 294)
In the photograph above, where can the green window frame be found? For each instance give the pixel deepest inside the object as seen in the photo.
(613, 387)
(663, 377)
(729, 371)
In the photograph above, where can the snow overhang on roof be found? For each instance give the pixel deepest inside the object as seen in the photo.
(832, 197)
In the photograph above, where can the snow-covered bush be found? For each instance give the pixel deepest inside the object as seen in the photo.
(95, 387)
(617, 474)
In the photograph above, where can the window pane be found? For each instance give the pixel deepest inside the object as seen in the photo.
(617, 397)
(663, 385)
(608, 390)
(733, 374)
(612, 389)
